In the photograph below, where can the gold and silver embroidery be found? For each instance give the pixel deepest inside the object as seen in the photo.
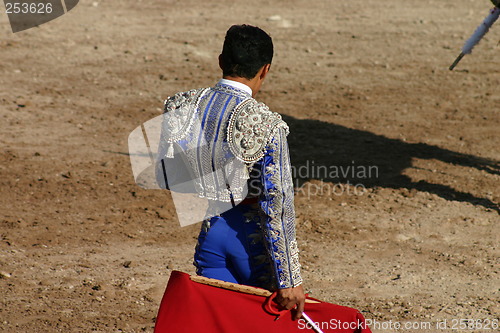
(225, 136)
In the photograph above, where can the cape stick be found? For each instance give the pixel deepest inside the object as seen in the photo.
(477, 35)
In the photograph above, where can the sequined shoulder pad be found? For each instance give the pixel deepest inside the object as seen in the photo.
(179, 110)
(250, 129)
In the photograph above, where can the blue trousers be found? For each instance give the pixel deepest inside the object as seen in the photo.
(231, 248)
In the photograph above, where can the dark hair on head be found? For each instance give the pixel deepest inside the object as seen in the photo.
(246, 49)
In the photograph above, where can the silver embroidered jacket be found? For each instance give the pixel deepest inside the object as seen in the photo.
(234, 148)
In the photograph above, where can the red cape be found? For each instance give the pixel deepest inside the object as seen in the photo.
(190, 307)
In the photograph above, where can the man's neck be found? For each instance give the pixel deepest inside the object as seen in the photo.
(237, 84)
(247, 82)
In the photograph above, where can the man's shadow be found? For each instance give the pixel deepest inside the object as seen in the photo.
(337, 154)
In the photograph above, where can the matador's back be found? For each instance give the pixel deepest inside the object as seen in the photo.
(210, 139)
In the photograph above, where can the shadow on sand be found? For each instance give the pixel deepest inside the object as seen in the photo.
(318, 143)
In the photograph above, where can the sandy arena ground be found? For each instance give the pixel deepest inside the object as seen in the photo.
(361, 84)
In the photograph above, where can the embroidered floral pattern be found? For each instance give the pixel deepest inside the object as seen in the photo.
(278, 209)
(179, 111)
(227, 135)
(249, 129)
(195, 126)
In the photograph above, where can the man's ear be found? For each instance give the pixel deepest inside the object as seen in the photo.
(220, 62)
(264, 71)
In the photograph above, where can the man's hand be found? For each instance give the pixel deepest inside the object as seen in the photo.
(289, 297)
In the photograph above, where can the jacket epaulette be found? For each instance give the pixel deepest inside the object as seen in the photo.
(250, 129)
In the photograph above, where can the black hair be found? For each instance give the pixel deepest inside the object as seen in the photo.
(246, 49)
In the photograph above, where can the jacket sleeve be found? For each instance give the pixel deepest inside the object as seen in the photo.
(277, 204)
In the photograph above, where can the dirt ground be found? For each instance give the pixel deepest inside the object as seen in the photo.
(361, 83)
